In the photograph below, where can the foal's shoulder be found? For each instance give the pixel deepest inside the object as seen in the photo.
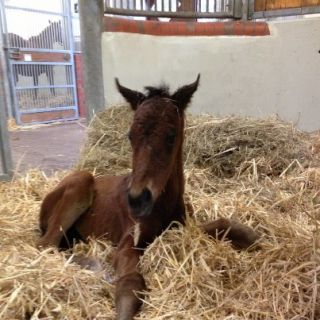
(108, 181)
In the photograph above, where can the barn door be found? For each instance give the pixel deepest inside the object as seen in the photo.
(39, 48)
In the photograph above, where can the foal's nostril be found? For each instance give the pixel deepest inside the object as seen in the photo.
(141, 202)
(133, 201)
(146, 195)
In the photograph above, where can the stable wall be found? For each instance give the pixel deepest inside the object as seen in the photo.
(243, 75)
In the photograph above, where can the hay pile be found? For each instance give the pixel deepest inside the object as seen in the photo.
(233, 145)
(225, 146)
(107, 149)
(275, 188)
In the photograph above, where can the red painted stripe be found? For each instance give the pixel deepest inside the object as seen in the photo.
(186, 28)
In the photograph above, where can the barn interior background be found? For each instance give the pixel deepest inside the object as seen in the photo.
(255, 58)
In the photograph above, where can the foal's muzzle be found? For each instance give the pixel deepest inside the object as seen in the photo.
(142, 204)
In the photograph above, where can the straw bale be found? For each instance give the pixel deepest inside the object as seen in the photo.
(189, 275)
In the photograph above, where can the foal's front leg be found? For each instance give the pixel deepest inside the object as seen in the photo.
(241, 236)
(129, 280)
(62, 207)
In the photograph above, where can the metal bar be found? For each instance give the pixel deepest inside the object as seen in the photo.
(51, 121)
(3, 21)
(237, 9)
(5, 152)
(13, 100)
(41, 110)
(4, 52)
(67, 8)
(167, 14)
(13, 93)
(245, 9)
(35, 10)
(250, 9)
(28, 63)
(286, 12)
(37, 50)
(46, 87)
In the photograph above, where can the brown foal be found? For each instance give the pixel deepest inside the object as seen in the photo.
(132, 210)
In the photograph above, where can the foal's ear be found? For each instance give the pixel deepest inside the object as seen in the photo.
(131, 96)
(184, 94)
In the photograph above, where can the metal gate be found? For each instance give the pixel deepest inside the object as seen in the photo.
(39, 46)
(185, 9)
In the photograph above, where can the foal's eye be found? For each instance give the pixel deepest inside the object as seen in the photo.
(129, 135)
(170, 138)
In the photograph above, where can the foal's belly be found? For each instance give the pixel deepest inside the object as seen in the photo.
(107, 217)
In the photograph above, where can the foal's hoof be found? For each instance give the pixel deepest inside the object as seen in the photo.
(244, 237)
(42, 244)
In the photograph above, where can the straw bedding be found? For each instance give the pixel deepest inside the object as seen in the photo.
(264, 173)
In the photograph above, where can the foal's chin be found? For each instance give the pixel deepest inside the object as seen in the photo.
(142, 212)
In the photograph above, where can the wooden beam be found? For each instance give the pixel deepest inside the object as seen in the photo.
(260, 5)
(293, 3)
(310, 3)
(275, 4)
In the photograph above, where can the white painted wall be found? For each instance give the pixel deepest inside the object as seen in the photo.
(252, 76)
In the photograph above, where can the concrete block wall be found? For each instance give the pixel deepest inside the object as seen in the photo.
(246, 69)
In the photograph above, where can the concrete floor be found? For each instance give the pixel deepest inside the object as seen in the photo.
(48, 148)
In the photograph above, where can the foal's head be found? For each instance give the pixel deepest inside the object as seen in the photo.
(156, 137)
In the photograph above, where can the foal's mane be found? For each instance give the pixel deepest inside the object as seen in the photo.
(160, 91)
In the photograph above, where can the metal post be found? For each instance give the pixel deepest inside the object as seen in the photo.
(68, 19)
(245, 9)
(8, 85)
(5, 153)
(237, 9)
(91, 19)
(250, 9)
